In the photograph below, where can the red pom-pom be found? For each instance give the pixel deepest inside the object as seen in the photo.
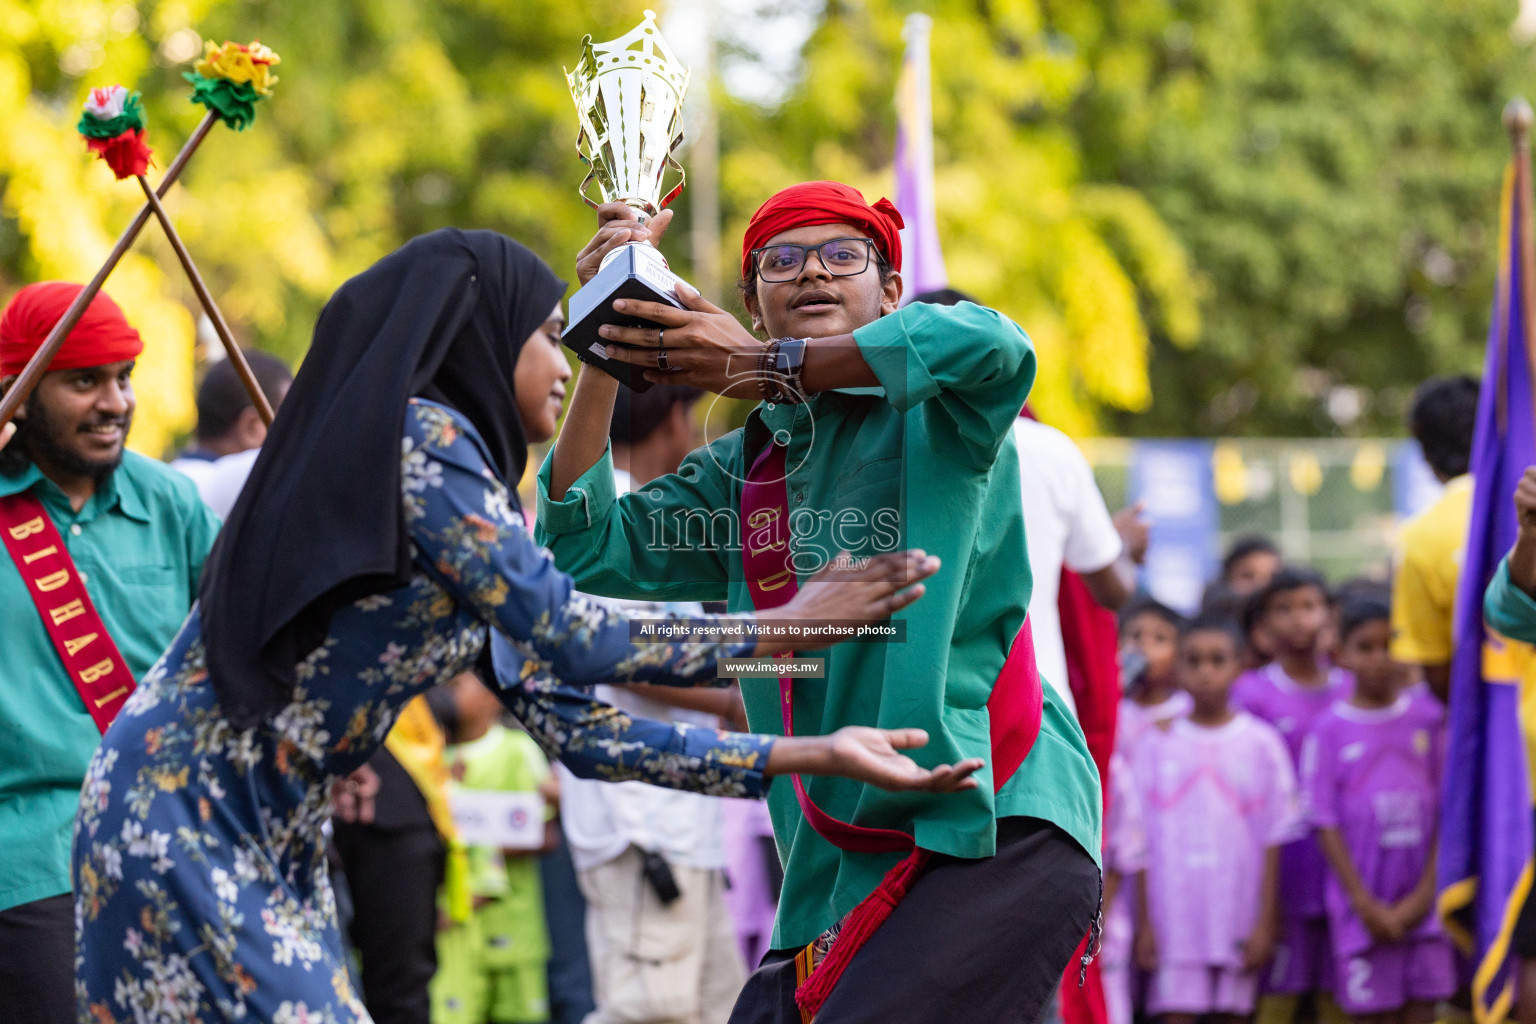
(127, 154)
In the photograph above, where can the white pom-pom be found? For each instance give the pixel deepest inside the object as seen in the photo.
(107, 103)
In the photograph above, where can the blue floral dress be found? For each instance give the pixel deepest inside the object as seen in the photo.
(201, 890)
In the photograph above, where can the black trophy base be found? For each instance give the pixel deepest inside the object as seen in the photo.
(636, 271)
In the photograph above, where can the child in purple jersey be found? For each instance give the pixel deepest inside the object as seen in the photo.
(1219, 796)
(1371, 774)
(1294, 615)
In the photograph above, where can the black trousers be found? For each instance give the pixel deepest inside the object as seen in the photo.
(394, 867)
(37, 962)
(980, 941)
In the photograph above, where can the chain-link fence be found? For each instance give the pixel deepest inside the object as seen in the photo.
(1332, 504)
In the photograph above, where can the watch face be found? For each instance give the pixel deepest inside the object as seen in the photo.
(790, 355)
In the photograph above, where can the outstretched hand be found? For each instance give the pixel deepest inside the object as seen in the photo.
(850, 593)
(873, 756)
(870, 755)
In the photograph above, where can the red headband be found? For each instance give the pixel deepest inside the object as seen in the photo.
(823, 202)
(102, 336)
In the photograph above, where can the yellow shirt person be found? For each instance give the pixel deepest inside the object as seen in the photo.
(1429, 554)
(1431, 546)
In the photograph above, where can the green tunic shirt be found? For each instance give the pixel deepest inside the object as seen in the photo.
(1508, 609)
(928, 463)
(139, 545)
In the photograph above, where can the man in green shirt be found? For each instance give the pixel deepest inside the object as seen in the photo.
(137, 535)
(895, 429)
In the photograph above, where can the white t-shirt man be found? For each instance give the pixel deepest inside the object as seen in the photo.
(603, 819)
(220, 480)
(1067, 526)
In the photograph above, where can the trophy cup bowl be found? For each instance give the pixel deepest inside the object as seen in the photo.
(629, 102)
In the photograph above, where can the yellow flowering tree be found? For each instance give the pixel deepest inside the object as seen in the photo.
(393, 118)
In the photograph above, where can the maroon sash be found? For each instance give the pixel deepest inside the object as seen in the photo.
(95, 666)
(1014, 709)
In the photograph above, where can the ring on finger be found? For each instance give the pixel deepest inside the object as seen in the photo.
(661, 360)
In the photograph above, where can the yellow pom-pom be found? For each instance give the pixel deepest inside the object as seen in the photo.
(240, 64)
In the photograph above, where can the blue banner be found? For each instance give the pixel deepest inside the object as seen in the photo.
(1173, 479)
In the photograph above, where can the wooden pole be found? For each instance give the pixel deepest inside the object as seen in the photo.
(220, 327)
(704, 161)
(22, 386)
(1517, 121)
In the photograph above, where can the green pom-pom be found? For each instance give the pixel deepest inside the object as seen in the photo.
(234, 103)
(130, 120)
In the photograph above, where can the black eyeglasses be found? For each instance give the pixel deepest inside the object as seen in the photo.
(843, 257)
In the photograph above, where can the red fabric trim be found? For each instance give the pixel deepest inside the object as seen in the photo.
(1090, 636)
(1083, 1004)
(95, 665)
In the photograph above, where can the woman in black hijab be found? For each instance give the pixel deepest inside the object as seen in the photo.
(377, 550)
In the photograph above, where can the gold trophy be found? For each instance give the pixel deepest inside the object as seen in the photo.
(629, 101)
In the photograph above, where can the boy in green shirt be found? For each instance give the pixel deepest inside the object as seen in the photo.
(894, 427)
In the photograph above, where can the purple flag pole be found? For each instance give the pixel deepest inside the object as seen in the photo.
(923, 268)
(1486, 832)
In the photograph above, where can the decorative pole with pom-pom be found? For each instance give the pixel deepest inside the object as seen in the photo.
(229, 81)
(112, 125)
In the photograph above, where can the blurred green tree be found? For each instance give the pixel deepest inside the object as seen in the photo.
(1334, 171)
(1089, 269)
(393, 117)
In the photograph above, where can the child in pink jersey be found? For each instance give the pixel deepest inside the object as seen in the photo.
(1371, 776)
(1149, 634)
(1293, 613)
(1219, 796)
(1149, 644)
(1125, 858)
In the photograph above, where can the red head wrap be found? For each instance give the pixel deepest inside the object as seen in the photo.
(102, 336)
(823, 202)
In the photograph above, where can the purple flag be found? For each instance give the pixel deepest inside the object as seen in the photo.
(1486, 828)
(923, 260)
